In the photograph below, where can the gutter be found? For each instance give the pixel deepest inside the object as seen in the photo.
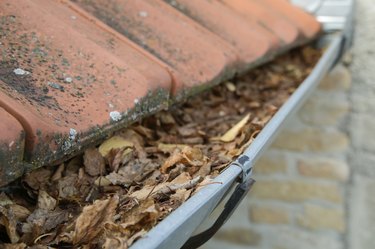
(182, 227)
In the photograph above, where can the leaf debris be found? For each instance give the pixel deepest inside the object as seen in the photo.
(110, 196)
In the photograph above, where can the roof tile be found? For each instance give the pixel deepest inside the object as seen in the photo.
(61, 73)
(250, 40)
(195, 56)
(11, 147)
(270, 19)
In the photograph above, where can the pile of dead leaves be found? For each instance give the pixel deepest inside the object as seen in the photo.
(113, 194)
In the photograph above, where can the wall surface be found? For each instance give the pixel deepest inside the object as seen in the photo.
(316, 184)
(362, 131)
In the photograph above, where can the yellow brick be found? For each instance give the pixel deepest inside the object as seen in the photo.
(270, 215)
(317, 217)
(239, 235)
(324, 168)
(312, 139)
(271, 163)
(295, 191)
(338, 79)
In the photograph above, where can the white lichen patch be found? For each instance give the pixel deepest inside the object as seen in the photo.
(115, 116)
(72, 134)
(20, 71)
(143, 14)
(68, 80)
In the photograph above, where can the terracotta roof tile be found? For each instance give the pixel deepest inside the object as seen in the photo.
(72, 76)
(172, 37)
(73, 71)
(306, 23)
(11, 147)
(250, 40)
(285, 30)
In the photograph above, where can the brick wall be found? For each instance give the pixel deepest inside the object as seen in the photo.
(300, 198)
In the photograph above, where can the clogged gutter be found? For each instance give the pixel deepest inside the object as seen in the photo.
(113, 194)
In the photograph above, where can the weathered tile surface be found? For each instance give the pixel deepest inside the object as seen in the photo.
(12, 139)
(194, 54)
(70, 80)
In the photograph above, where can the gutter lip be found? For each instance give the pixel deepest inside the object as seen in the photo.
(179, 225)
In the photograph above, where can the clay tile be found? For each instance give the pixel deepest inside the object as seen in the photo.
(196, 56)
(267, 17)
(12, 141)
(250, 40)
(70, 81)
(306, 23)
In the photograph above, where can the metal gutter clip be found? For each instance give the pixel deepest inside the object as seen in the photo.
(235, 199)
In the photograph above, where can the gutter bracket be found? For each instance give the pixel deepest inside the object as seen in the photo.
(246, 166)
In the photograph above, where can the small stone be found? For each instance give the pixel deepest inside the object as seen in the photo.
(115, 116)
(20, 71)
(72, 134)
(143, 14)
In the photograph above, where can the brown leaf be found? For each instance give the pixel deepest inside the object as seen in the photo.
(115, 142)
(188, 155)
(93, 162)
(14, 246)
(90, 222)
(7, 219)
(67, 186)
(20, 212)
(45, 201)
(141, 217)
(231, 134)
(38, 178)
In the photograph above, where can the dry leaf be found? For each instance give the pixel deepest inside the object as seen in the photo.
(169, 148)
(8, 220)
(45, 201)
(90, 222)
(231, 134)
(14, 246)
(115, 142)
(102, 181)
(93, 162)
(188, 155)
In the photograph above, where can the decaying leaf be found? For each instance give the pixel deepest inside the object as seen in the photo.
(115, 142)
(8, 220)
(93, 162)
(188, 155)
(45, 201)
(112, 195)
(231, 134)
(91, 221)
